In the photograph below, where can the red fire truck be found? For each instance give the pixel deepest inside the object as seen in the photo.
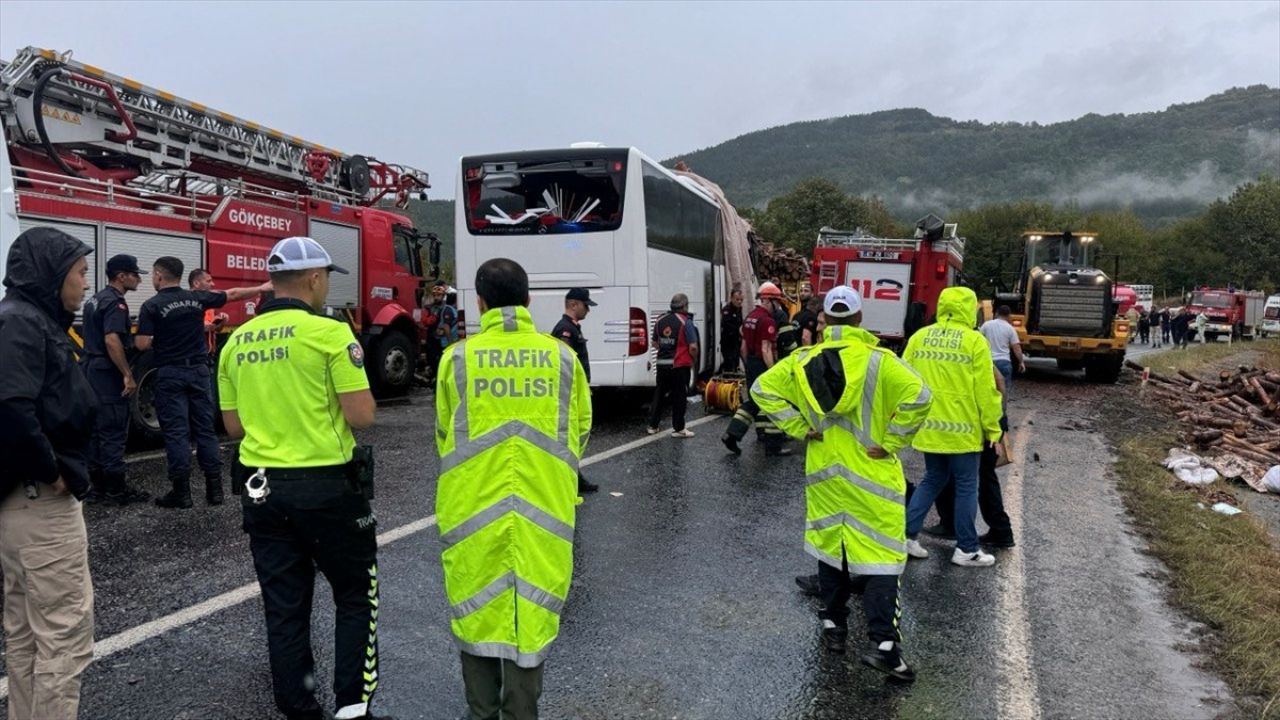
(1234, 313)
(130, 169)
(899, 278)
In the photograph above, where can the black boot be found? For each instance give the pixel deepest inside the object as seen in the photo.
(834, 637)
(887, 658)
(179, 497)
(119, 492)
(97, 488)
(997, 539)
(809, 585)
(213, 490)
(586, 486)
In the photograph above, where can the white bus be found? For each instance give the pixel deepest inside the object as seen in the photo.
(607, 219)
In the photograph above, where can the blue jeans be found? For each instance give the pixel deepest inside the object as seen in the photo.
(1006, 369)
(962, 469)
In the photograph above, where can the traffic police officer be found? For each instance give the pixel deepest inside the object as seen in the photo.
(955, 359)
(292, 383)
(759, 352)
(513, 414)
(172, 323)
(857, 405)
(106, 366)
(577, 303)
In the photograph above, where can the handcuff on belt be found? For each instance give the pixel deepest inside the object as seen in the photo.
(257, 486)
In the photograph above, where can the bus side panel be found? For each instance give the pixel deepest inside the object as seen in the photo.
(670, 274)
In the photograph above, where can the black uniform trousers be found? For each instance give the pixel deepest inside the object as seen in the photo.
(305, 524)
(672, 389)
(879, 600)
(110, 427)
(732, 361)
(749, 414)
(990, 499)
(185, 410)
(500, 689)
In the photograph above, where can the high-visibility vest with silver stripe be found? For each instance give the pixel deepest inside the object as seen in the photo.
(513, 414)
(853, 503)
(955, 360)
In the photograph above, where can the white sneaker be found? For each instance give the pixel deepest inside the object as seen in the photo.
(682, 433)
(916, 550)
(974, 559)
(652, 431)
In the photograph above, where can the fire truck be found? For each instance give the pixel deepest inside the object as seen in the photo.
(127, 168)
(1234, 313)
(899, 278)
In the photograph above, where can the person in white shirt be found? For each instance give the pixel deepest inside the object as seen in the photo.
(1005, 347)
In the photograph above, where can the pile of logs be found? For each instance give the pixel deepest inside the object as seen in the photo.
(780, 264)
(1238, 412)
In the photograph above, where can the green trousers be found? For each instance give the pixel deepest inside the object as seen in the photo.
(500, 689)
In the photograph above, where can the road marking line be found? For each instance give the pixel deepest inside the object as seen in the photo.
(1017, 694)
(661, 435)
(154, 628)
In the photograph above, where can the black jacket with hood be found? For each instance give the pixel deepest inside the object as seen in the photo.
(46, 405)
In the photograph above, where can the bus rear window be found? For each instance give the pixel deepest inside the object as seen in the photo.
(546, 196)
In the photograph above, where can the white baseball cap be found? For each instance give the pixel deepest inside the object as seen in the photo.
(842, 301)
(300, 253)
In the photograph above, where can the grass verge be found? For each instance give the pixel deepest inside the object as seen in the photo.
(1223, 571)
(1215, 355)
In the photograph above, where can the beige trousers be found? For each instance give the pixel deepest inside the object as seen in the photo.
(48, 603)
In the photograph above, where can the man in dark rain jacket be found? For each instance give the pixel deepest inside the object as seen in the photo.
(46, 421)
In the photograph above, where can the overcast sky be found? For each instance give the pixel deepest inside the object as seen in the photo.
(424, 83)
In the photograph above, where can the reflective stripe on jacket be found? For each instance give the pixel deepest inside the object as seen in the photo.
(513, 415)
(955, 360)
(859, 396)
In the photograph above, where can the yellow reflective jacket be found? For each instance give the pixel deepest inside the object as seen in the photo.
(513, 414)
(858, 396)
(955, 360)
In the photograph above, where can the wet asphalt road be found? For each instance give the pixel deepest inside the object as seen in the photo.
(683, 604)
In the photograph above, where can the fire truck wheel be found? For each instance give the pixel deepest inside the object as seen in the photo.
(144, 422)
(392, 366)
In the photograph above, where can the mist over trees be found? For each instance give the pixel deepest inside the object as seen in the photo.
(1235, 241)
(1164, 165)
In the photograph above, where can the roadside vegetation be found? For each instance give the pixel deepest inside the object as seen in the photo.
(1224, 571)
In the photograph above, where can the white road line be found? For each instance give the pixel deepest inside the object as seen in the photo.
(154, 628)
(1017, 694)
(663, 435)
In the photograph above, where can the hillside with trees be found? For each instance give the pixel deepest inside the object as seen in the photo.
(1163, 166)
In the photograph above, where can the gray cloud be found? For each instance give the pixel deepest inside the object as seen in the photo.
(423, 83)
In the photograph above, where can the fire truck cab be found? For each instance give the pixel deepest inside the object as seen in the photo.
(129, 169)
(899, 278)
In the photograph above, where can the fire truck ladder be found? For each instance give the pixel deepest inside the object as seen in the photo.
(82, 114)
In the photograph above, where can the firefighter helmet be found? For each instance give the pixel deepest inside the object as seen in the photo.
(769, 290)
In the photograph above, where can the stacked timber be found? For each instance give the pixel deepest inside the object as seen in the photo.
(1236, 412)
(779, 264)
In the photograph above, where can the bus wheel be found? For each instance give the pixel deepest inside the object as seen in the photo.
(392, 365)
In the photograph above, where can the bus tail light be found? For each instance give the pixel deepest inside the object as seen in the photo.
(639, 338)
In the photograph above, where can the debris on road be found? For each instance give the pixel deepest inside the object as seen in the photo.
(1238, 414)
(1189, 467)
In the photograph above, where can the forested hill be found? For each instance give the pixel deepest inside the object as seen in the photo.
(1165, 165)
